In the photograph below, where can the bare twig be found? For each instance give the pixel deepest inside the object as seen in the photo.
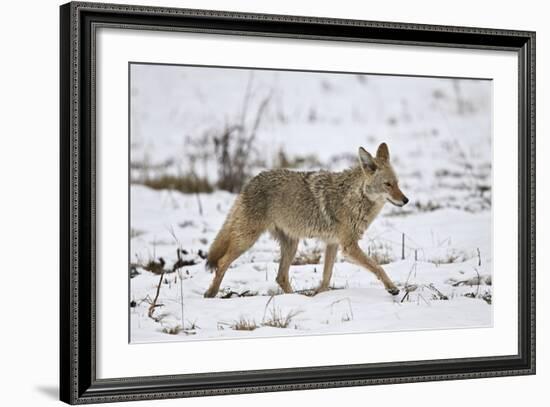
(413, 268)
(245, 293)
(181, 298)
(423, 299)
(341, 300)
(266, 305)
(439, 293)
(403, 246)
(247, 97)
(154, 302)
(478, 282)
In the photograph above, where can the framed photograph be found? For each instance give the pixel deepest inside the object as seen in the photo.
(255, 203)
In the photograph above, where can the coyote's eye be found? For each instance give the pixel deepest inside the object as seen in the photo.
(387, 184)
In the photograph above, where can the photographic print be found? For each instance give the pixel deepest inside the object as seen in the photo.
(326, 183)
(270, 202)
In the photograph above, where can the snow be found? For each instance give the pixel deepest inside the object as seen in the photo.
(357, 301)
(439, 135)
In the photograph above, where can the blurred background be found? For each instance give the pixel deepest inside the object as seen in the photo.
(200, 129)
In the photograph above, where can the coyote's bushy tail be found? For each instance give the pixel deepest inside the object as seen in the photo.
(221, 242)
(219, 247)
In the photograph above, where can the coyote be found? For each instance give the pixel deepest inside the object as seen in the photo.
(335, 207)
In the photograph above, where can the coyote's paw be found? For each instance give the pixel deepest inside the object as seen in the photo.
(210, 293)
(285, 285)
(393, 291)
(320, 290)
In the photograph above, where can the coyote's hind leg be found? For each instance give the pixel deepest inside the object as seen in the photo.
(235, 249)
(223, 264)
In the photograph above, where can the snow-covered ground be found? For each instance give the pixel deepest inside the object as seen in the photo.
(445, 243)
(439, 135)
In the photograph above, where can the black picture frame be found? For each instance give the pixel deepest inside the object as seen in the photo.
(78, 381)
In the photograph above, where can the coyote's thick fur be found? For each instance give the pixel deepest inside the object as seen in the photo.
(336, 207)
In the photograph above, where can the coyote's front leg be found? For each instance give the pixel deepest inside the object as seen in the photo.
(330, 256)
(288, 251)
(354, 252)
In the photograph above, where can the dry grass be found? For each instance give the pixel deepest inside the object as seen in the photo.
(135, 233)
(278, 319)
(177, 329)
(380, 253)
(155, 267)
(450, 257)
(311, 256)
(244, 324)
(474, 281)
(282, 160)
(172, 330)
(447, 259)
(486, 296)
(188, 183)
(346, 318)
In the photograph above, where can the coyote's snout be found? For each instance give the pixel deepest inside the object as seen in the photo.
(336, 207)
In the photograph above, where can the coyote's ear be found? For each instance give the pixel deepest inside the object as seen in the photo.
(366, 160)
(383, 154)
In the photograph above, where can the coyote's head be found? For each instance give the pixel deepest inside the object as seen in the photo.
(382, 181)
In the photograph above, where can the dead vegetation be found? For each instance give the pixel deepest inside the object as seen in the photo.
(159, 266)
(135, 233)
(283, 160)
(277, 318)
(234, 145)
(244, 324)
(381, 253)
(155, 266)
(234, 294)
(153, 303)
(189, 329)
(450, 257)
(308, 256)
(187, 183)
(474, 281)
(172, 330)
(169, 175)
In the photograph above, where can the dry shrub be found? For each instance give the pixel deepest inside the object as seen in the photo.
(234, 144)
